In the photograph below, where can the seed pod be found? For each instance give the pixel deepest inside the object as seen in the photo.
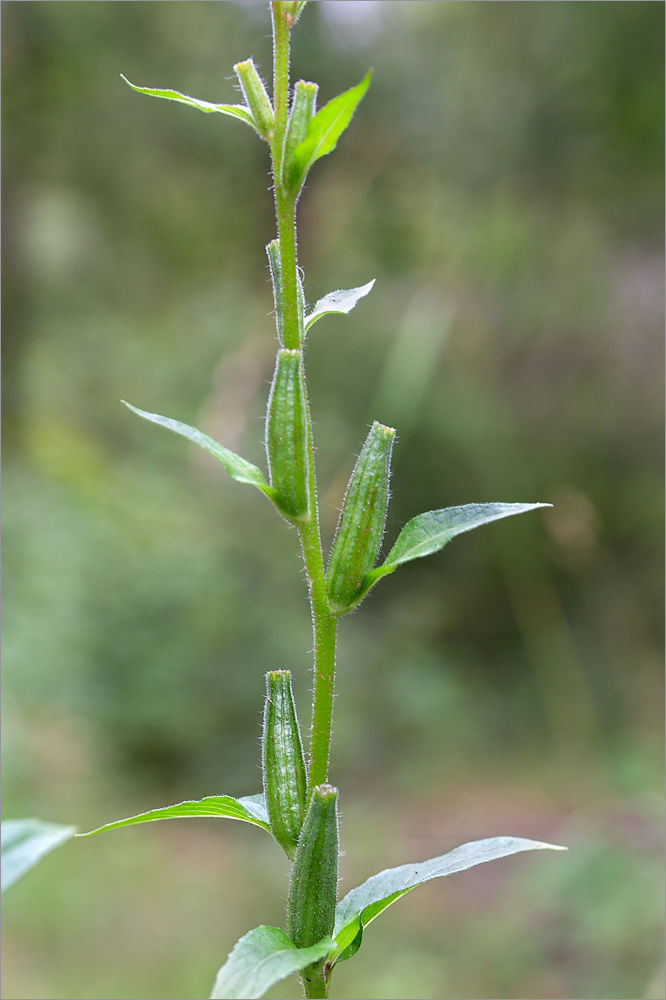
(302, 110)
(256, 97)
(314, 880)
(358, 536)
(286, 436)
(283, 763)
(273, 251)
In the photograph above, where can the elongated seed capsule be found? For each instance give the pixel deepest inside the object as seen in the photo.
(314, 879)
(273, 251)
(361, 524)
(286, 436)
(283, 763)
(256, 97)
(302, 110)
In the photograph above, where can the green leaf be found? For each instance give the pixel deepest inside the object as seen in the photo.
(342, 301)
(235, 110)
(237, 467)
(249, 809)
(27, 841)
(326, 127)
(428, 533)
(259, 960)
(360, 906)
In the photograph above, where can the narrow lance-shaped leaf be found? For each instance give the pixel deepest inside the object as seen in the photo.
(27, 841)
(237, 467)
(326, 127)
(260, 959)
(428, 533)
(341, 301)
(248, 809)
(360, 906)
(234, 110)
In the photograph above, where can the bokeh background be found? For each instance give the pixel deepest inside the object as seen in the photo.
(503, 182)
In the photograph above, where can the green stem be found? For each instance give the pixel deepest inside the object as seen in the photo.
(286, 225)
(281, 28)
(285, 206)
(324, 625)
(324, 622)
(314, 987)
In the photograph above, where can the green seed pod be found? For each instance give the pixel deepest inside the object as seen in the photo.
(361, 524)
(302, 110)
(313, 888)
(256, 97)
(283, 764)
(273, 251)
(286, 436)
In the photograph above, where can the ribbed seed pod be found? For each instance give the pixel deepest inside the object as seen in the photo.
(313, 888)
(285, 779)
(273, 251)
(361, 524)
(302, 110)
(256, 97)
(286, 436)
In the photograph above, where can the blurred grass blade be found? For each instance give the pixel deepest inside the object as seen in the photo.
(237, 467)
(250, 809)
(342, 301)
(326, 127)
(27, 841)
(428, 533)
(260, 959)
(234, 110)
(360, 906)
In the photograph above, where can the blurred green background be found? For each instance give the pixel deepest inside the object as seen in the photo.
(503, 182)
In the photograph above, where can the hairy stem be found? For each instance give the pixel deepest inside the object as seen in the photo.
(324, 626)
(314, 986)
(324, 621)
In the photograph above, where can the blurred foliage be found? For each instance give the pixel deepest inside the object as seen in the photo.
(503, 181)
